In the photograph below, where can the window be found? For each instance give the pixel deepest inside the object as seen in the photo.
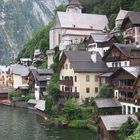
(87, 78)
(119, 64)
(134, 109)
(75, 78)
(87, 90)
(128, 109)
(139, 30)
(66, 66)
(125, 63)
(62, 88)
(124, 109)
(75, 89)
(96, 90)
(112, 64)
(96, 78)
(70, 66)
(116, 64)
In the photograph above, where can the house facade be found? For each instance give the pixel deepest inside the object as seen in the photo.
(122, 55)
(38, 81)
(108, 125)
(79, 74)
(131, 28)
(123, 81)
(6, 78)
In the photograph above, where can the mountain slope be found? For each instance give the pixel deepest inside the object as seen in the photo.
(19, 20)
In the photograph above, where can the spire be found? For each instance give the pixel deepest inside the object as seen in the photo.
(74, 6)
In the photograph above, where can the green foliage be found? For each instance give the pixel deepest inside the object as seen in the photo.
(53, 87)
(92, 128)
(126, 129)
(78, 124)
(55, 58)
(60, 120)
(29, 96)
(135, 135)
(14, 94)
(40, 40)
(71, 110)
(60, 8)
(106, 91)
(49, 103)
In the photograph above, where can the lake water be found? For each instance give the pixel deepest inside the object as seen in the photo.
(23, 124)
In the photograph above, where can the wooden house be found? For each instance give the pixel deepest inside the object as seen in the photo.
(131, 28)
(109, 125)
(38, 80)
(121, 55)
(109, 106)
(123, 81)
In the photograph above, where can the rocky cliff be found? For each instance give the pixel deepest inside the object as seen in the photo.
(19, 20)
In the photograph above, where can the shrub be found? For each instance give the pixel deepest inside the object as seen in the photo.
(29, 96)
(14, 94)
(78, 124)
(49, 103)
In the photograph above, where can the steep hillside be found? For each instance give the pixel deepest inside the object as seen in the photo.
(19, 20)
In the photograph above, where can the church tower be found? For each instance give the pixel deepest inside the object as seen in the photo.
(74, 6)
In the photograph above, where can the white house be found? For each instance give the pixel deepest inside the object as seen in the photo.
(72, 26)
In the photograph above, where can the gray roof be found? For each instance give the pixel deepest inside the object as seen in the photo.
(82, 21)
(81, 61)
(113, 122)
(32, 101)
(20, 70)
(44, 71)
(106, 103)
(101, 37)
(6, 90)
(108, 74)
(134, 17)
(40, 105)
(42, 74)
(121, 15)
(133, 70)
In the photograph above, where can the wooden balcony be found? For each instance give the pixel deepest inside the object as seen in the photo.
(125, 88)
(69, 94)
(66, 82)
(135, 100)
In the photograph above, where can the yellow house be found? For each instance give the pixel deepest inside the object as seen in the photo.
(79, 74)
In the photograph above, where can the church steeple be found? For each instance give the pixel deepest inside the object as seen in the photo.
(74, 6)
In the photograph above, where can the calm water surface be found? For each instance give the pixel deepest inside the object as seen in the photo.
(22, 124)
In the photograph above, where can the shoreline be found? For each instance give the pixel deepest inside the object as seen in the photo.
(49, 121)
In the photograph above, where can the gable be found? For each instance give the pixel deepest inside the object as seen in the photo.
(114, 54)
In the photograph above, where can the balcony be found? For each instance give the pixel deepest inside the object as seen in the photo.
(129, 33)
(125, 88)
(69, 94)
(135, 100)
(66, 82)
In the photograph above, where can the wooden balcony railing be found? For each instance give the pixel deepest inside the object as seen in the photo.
(69, 94)
(66, 82)
(125, 87)
(135, 100)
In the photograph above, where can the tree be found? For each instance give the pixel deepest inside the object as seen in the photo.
(106, 91)
(127, 129)
(53, 87)
(135, 135)
(71, 110)
(49, 103)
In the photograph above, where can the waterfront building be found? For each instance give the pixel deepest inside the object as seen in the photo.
(38, 80)
(108, 125)
(123, 81)
(79, 72)
(108, 106)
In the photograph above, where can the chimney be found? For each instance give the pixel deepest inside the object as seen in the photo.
(94, 56)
